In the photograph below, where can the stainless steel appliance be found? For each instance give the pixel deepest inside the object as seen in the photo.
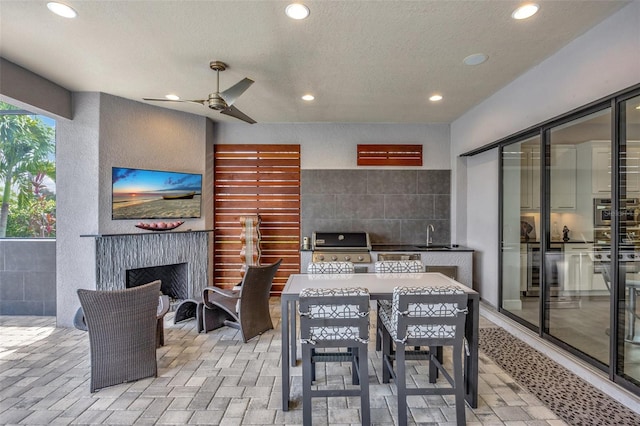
(627, 214)
(341, 246)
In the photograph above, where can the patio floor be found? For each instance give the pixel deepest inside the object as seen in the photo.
(214, 378)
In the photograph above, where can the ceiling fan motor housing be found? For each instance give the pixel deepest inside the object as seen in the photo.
(216, 102)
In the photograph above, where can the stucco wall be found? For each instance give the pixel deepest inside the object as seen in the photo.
(108, 131)
(602, 61)
(333, 145)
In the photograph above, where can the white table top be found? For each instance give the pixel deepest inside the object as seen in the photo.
(380, 285)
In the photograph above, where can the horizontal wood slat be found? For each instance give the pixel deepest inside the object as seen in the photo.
(389, 155)
(246, 149)
(257, 179)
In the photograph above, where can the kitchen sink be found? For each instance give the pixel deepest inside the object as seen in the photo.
(433, 247)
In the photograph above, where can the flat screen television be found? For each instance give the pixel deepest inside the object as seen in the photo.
(155, 194)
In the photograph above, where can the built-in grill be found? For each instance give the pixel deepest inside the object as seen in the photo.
(341, 247)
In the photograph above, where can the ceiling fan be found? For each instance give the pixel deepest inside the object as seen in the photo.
(221, 101)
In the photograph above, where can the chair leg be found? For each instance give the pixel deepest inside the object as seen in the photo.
(378, 332)
(213, 319)
(363, 370)
(160, 332)
(458, 378)
(355, 375)
(386, 356)
(401, 385)
(200, 317)
(307, 369)
(435, 351)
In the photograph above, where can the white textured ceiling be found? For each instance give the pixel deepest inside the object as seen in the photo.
(365, 61)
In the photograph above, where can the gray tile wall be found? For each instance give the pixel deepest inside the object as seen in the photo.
(393, 206)
(27, 277)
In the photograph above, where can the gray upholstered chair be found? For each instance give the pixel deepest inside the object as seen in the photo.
(246, 309)
(424, 316)
(393, 267)
(122, 328)
(330, 268)
(335, 319)
(398, 266)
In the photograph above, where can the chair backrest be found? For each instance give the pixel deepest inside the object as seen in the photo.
(256, 285)
(398, 266)
(340, 316)
(104, 310)
(429, 313)
(330, 268)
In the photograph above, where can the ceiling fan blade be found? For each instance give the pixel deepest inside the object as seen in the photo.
(235, 112)
(196, 101)
(232, 93)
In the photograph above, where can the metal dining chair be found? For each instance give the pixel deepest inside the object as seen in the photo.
(425, 316)
(393, 267)
(335, 319)
(330, 268)
(398, 266)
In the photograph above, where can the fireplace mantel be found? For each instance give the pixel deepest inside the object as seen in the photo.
(146, 233)
(117, 253)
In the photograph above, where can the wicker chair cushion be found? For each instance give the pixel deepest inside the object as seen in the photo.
(327, 310)
(389, 313)
(330, 268)
(398, 266)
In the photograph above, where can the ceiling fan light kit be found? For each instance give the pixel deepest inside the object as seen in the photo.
(220, 101)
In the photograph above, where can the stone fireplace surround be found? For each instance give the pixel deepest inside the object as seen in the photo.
(119, 253)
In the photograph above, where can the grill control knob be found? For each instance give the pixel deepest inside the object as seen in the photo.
(320, 257)
(334, 258)
(597, 256)
(347, 258)
(360, 258)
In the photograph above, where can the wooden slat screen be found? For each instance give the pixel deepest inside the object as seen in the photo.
(264, 180)
(389, 155)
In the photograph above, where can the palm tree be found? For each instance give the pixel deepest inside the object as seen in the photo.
(25, 146)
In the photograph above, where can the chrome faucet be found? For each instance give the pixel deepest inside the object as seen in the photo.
(430, 229)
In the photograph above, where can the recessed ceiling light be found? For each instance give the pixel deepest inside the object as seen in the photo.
(61, 9)
(525, 11)
(308, 97)
(435, 98)
(297, 11)
(475, 59)
(638, 107)
(172, 97)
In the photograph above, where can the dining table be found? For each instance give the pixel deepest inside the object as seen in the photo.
(380, 287)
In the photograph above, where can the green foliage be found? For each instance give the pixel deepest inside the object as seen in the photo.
(34, 217)
(26, 146)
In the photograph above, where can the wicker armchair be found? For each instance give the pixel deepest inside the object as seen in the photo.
(122, 333)
(246, 309)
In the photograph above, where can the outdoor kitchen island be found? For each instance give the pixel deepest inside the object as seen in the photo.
(447, 259)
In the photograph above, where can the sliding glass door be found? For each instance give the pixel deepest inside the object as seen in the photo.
(521, 230)
(628, 277)
(570, 233)
(578, 247)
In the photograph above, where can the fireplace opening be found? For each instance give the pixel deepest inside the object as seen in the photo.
(174, 279)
